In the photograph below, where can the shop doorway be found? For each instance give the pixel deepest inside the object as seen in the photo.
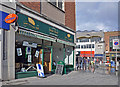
(47, 60)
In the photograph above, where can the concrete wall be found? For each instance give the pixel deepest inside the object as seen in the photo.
(1, 52)
(52, 12)
(8, 62)
(58, 52)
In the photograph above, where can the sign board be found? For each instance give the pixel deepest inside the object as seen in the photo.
(116, 44)
(11, 18)
(41, 27)
(25, 43)
(40, 70)
(3, 24)
(59, 69)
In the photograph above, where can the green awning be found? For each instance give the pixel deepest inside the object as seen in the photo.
(31, 34)
(65, 42)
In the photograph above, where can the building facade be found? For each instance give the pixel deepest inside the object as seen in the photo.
(90, 44)
(110, 52)
(42, 34)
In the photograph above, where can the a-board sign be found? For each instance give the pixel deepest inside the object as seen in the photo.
(59, 69)
(40, 70)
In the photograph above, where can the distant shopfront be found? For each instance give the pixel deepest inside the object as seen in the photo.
(39, 42)
(86, 53)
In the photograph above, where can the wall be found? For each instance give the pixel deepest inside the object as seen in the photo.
(99, 50)
(58, 53)
(107, 36)
(52, 12)
(1, 51)
(70, 15)
(32, 5)
(8, 64)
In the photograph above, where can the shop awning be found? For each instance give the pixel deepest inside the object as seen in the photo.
(32, 34)
(65, 42)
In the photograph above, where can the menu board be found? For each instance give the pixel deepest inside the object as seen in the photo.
(59, 69)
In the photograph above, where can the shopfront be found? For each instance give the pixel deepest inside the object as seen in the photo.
(39, 42)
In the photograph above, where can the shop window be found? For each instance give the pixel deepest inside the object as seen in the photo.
(58, 3)
(82, 46)
(89, 45)
(26, 57)
(92, 45)
(85, 46)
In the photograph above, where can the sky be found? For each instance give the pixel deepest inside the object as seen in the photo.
(97, 15)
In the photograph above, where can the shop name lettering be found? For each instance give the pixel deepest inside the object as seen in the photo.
(32, 26)
(10, 18)
(53, 31)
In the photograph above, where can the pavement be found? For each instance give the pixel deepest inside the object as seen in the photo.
(80, 77)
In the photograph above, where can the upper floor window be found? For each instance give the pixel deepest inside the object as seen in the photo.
(58, 3)
(84, 40)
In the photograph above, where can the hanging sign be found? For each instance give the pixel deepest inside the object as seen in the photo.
(37, 53)
(116, 44)
(11, 18)
(29, 58)
(19, 52)
(40, 70)
(28, 50)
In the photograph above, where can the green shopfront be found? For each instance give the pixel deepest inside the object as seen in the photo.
(40, 42)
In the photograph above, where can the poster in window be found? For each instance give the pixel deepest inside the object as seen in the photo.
(29, 58)
(37, 53)
(28, 50)
(19, 52)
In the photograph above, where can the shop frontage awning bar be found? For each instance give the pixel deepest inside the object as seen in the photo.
(28, 33)
(66, 43)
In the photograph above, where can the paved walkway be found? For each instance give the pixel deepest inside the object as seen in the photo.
(100, 77)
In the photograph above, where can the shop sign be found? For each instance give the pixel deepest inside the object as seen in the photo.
(40, 70)
(3, 24)
(11, 18)
(25, 43)
(116, 44)
(38, 26)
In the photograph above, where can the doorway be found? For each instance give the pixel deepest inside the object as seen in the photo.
(47, 60)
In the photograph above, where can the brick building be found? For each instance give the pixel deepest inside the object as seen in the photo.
(110, 52)
(44, 33)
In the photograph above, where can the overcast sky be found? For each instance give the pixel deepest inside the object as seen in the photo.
(97, 16)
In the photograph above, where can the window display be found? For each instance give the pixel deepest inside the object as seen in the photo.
(26, 57)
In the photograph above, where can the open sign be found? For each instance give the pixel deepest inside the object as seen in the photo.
(11, 18)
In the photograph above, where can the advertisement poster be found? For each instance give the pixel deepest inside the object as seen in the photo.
(37, 53)
(28, 50)
(19, 52)
(29, 58)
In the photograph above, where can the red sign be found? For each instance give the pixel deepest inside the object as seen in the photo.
(87, 53)
(11, 18)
